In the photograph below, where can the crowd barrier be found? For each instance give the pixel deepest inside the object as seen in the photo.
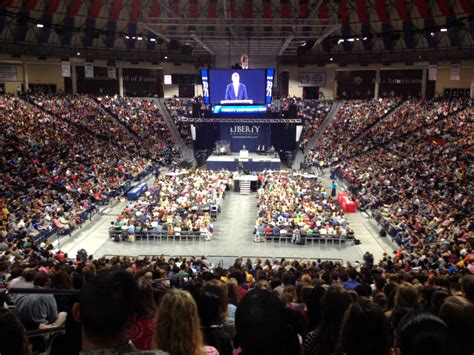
(118, 234)
(316, 238)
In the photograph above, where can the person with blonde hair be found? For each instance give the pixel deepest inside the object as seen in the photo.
(178, 329)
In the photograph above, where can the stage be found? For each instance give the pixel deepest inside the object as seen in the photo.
(255, 162)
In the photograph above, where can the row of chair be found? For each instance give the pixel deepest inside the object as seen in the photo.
(317, 238)
(118, 234)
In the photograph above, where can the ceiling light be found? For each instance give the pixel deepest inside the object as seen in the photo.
(364, 39)
(39, 25)
(331, 59)
(444, 30)
(78, 53)
(166, 57)
(432, 34)
(340, 41)
(139, 38)
(127, 37)
(134, 37)
(350, 40)
(152, 39)
(357, 39)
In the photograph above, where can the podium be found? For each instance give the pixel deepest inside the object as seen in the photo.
(244, 154)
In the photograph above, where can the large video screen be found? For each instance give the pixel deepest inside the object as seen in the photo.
(237, 87)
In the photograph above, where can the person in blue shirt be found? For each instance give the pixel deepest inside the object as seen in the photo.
(333, 188)
(276, 231)
(352, 283)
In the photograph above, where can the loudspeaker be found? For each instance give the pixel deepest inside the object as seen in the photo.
(196, 110)
(292, 111)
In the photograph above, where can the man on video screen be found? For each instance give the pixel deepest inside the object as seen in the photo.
(236, 90)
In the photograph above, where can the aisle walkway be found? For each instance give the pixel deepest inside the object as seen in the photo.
(365, 228)
(233, 237)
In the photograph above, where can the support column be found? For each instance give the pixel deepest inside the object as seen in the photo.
(120, 79)
(25, 77)
(74, 78)
(377, 83)
(424, 77)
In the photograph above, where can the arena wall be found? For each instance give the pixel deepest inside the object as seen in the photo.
(49, 72)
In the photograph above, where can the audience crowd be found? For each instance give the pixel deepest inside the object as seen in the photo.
(352, 119)
(158, 305)
(413, 169)
(131, 124)
(180, 202)
(313, 113)
(142, 117)
(180, 108)
(62, 158)
(64, 155)
(297, 206)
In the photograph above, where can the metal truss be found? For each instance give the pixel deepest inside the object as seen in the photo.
(240, 120)
(257, 36)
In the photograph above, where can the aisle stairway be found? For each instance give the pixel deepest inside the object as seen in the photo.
(300, 155)
(187, 151)
(245, 187)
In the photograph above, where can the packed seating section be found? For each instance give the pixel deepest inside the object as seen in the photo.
(178, 108)
(415, 170)
(142, 117)
(410, 171)
(296, 208)
(180, 206)
(61, 159)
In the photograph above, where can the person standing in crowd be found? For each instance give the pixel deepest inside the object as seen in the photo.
(333, 188)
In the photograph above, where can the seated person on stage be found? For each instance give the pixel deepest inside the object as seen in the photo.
(236, 90)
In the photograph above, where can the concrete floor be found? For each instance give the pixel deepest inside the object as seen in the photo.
(233, 237)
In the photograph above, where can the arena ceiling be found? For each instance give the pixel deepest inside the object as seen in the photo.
(196, 30)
